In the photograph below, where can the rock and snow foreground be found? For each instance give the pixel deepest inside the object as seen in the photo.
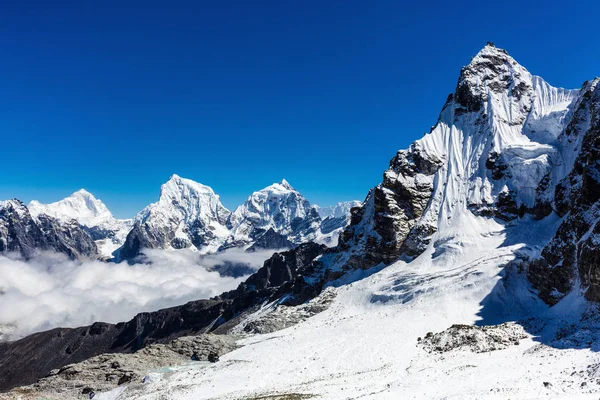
(366, 343)
(490, 219)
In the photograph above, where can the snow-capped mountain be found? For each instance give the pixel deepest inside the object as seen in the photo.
(81, 206)
(341, 209)
(333, 221)
(278, 211)
(108, 232)
(498, 149)
(187, 215)
(22, 233)
(489, 218)
(190, 215)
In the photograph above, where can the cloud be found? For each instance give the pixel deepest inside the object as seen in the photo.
(51, 291)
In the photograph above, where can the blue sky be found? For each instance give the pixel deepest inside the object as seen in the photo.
(115, 98)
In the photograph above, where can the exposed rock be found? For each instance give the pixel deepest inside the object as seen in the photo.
(107, 371)
(378, 231)
(94, 217)
(275, 316)
(281, 275)
(271, 240)
(24, 234)
(478, 339)
(572, 255)
(61, 346)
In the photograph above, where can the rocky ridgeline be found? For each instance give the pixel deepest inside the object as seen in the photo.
(188, 215)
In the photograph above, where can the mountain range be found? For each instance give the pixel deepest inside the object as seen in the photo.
(187, 215)
(478, 253)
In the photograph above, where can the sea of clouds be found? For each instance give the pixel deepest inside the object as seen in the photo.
(52, 291)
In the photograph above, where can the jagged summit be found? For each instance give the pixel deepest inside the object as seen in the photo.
(278, 207)
(286, 185)
(183, 185)
(187, 214)
(280, 187)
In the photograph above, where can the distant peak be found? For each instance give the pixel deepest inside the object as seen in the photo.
(286, 184)
(83, 192)
(177, 184)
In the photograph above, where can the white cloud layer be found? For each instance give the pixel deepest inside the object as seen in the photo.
(51, 291)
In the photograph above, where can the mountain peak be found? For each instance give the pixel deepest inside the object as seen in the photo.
(81, 206)
(177, 184)
(491, 72)
(174, 178)
(286, 184)
(192, 199)
(84, 193)
(490, 59)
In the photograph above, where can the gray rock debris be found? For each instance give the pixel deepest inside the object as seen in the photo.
(279, 317)
(478, 339)
(107, 371)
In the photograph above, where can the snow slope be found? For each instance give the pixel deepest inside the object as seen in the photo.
(108, 231)
(365, 344)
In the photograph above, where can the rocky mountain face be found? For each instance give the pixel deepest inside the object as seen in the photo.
(572, 257)
(187, 215)
(275, 215)
(22, 233)
(92, 215)
(506, 145)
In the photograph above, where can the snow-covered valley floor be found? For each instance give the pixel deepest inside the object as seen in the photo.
(366, 344)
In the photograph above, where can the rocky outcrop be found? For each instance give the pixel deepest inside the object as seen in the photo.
(379, 229)
(24, 234)
(276, 316)
(59, 347)
(478, 339)
(573, 254)
(282, 268)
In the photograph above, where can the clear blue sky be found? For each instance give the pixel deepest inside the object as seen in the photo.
(238, 95)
